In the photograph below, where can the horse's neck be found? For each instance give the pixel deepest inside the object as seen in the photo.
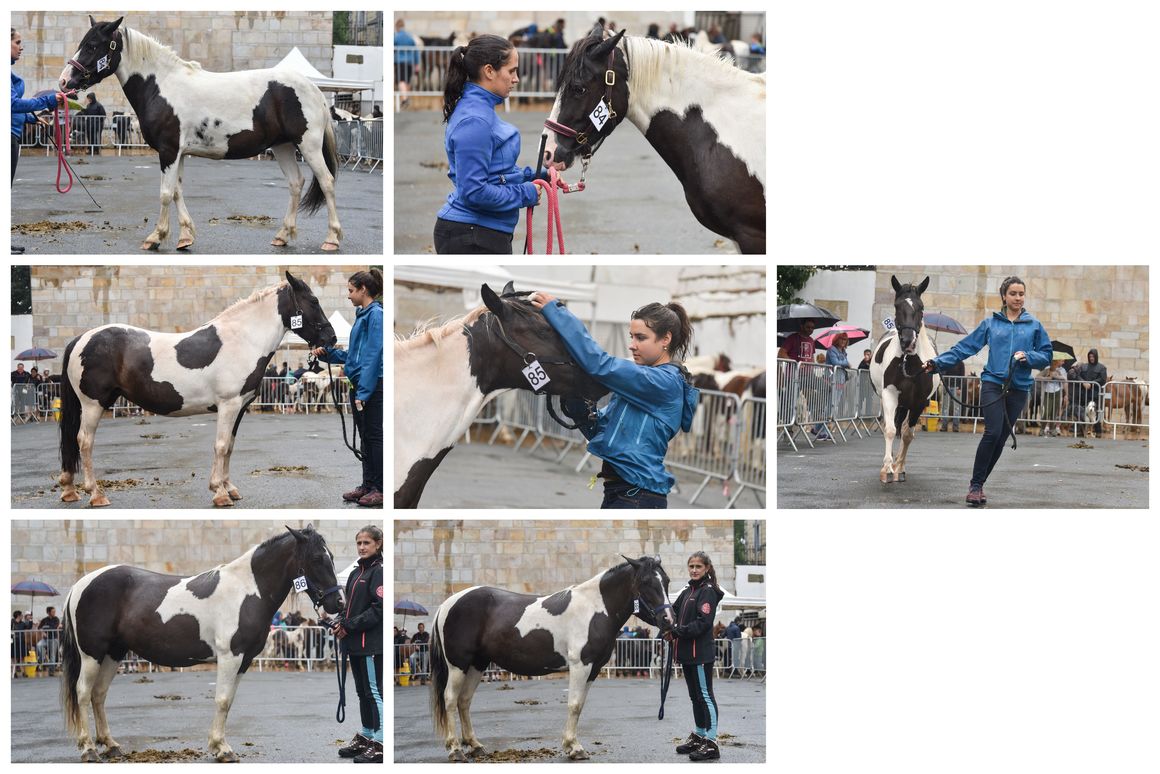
(258, 320)
(272, 570)
(622, 599)
(142, 55)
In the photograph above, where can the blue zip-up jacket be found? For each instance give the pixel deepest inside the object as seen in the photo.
(1004, 338)
(482, 148)
(649, 405)
(364, 356)
(22, 109)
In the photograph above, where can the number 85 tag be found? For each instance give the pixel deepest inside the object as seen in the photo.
(536, 376)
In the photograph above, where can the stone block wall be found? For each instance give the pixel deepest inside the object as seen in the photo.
(60, 552)
(503, 23)
(221, 41)
(435, 559)
(69, 300)
(1105, 307)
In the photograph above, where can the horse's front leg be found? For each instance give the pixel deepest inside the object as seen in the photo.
(170, 171)
(286, 154)
(229, 413)
(888, 460)
(900, 461)
(184, 221)
(227, 686)
(578, 685)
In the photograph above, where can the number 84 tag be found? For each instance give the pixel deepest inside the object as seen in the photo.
(536, 376)
(600, 115)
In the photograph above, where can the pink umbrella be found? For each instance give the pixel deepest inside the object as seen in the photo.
(826, 337)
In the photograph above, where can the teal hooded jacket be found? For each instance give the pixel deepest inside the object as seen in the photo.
(649, 405)
(1004, 338)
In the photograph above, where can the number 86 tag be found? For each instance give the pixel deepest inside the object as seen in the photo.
(536, 376)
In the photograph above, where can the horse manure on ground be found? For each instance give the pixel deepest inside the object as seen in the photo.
(434, 165)
(281, 469)
(48, 227)
(170, 697)
(162, 756)
(516, 756)
(118, 484)
(260, 220)
(528, 701)
(143, 679)
(1141, 468)
(1080, 445)
(153, 436)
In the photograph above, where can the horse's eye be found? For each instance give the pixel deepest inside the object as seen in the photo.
(578, 90)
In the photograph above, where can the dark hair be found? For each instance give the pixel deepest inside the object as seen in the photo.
(1012, 280)
(668, 318)
(374, 530)
(466, 62)
(370, 280)
(710, 573)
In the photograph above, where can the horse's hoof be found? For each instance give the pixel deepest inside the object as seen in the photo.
(456, 756)
(278, 242)
(147, 245)
(112, 752)
(579, 754)
(223, 501)
(90, 756)
(227, 756)
(69, 497)
(184, 244)
(234, 494)
(100, 501)
(329, 247)
(902, 476)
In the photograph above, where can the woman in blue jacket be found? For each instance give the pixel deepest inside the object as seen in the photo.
(1017, 343)
(23, 110)
(363, 366)
(480, 215)
(652, 398)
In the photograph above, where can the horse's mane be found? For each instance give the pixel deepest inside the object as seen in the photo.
(257, 295)
(136, 42)
(646, 58)
(432, 331)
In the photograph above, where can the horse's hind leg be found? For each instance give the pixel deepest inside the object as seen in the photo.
(288, 161)
(90, 418)
(456, 679)
(184, 221)
(322, 176)
(578, 685)
(87, 680)
(100, 691)
(229, 416)
(466, 694)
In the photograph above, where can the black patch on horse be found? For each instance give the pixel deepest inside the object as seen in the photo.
(203, 585)
(199, 349)
(407, 496)
(278, 119)
(558, 602)
(692, 149)
(913, 391)
(494, 613)
(254, 380)
(118, 361)
(160, 125)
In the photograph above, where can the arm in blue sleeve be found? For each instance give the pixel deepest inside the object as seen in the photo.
(370, 358)
(333, 355)
(31, 105)
(1040, 354)
(638, 384)
(472, 150)
(965, 348)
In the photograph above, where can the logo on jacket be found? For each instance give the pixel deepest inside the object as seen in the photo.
(379, 591)
(705, 608)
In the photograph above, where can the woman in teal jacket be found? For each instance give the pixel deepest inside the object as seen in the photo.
(1017, 343)
(24, 110)
(652, 398)
(363, 366)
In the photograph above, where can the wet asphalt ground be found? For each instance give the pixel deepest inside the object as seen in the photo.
(618, 725)
(277, 717)
(1041, 473)
(476, 475)
(166, 462)
(632, 203)
(236, 206)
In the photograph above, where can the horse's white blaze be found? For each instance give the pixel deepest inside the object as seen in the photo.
(216, 624)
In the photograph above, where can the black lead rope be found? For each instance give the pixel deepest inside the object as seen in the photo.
(352, 445)
(1002, 396)
(340, 673)
(666, 676)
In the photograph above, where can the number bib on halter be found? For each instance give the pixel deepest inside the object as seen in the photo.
(300, 583)
(536, 375)
(600, 115)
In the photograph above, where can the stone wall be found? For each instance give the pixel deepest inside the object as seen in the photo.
(503, 23)
(69, 300)
(60, 552)
(1105, 307)
(220, 41)
(434, 559)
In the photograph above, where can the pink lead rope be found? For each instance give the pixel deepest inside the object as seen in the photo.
(63, 145)
(553, 187)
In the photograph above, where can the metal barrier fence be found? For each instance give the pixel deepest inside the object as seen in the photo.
(813, 398)
(539, 70)
(750, 470)
(631, 657)
(359, 142)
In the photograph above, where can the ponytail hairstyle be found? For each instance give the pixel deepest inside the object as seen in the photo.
(710, 573)
(375, 532)
(371, 281)
(668, 318)
(467, 62)
(1008, 282)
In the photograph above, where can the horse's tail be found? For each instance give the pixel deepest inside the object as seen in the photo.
(314, 197)
(70, 418)
(70, 671)
(438, 677)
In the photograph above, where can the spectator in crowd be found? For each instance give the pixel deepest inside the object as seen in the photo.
(1094, 371)
(47, 648)
(90, 123)
(865, 364)
(836, 357)
(654, 31)
(556, 35)
(800, 345)
(377, 113)
(419, 659)
(34, 376)
(18, 640)
(1053, 378)
(733, 634)
(406, 61)
(953, 382)
(756, 47)
(20, 376)
(400, 646)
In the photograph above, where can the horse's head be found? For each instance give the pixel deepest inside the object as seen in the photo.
(314, 561)
(650, 585)
(97, 57)
(908, 312)
(595, 75)
(510, 335)
(302, 313)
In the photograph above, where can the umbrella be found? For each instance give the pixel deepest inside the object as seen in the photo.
(34, 588)
(937, 321)
(1061, 351)
(826, 338)
(791, 316)
(72, 103)
(36, 353)
(405, 607)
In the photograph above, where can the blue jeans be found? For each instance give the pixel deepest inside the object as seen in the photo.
(621, 494)
(996, 429)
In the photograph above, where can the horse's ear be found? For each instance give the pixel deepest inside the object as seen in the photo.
(597, 31)
(295, 283)
(894, 283)
(116, 24)
(492, 302)
(92, 21)
(635, 564)
(509, 289)
(922, 285)
(297, 535)
(601, 51)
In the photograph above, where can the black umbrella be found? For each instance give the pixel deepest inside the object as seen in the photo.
(34, 588)
(36, 353)
(405, 607)
(937, 321)
(1059, 348)
(791, 316)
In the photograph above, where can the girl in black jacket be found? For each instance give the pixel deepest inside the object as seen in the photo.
(361, 630)
(695, 609)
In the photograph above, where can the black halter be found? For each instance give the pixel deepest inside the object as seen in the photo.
(581, 136)
(114, 56)
(316, 595)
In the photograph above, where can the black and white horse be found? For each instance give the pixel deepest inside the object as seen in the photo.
(215, 368)
(896, 371)
(574, 630)
(445, 375)
(705, 118)
(222, 615)
(186, 111)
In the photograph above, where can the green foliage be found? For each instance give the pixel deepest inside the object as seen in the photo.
(21, 290)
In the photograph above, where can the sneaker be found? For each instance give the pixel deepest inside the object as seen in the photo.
(373, 754)
(17, 250)
(357, 745)
(825, 436)
(690, 744)
(975, 496)
(708, 751)
(354, 495)
(982, 495)
(372, 499)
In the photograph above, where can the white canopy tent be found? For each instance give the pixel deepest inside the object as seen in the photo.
(299, 63)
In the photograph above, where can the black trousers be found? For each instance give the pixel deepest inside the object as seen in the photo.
(370, 427)
(368, 682)
(699, 680)
(15, 157)
(469, 239)
(997, 428)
